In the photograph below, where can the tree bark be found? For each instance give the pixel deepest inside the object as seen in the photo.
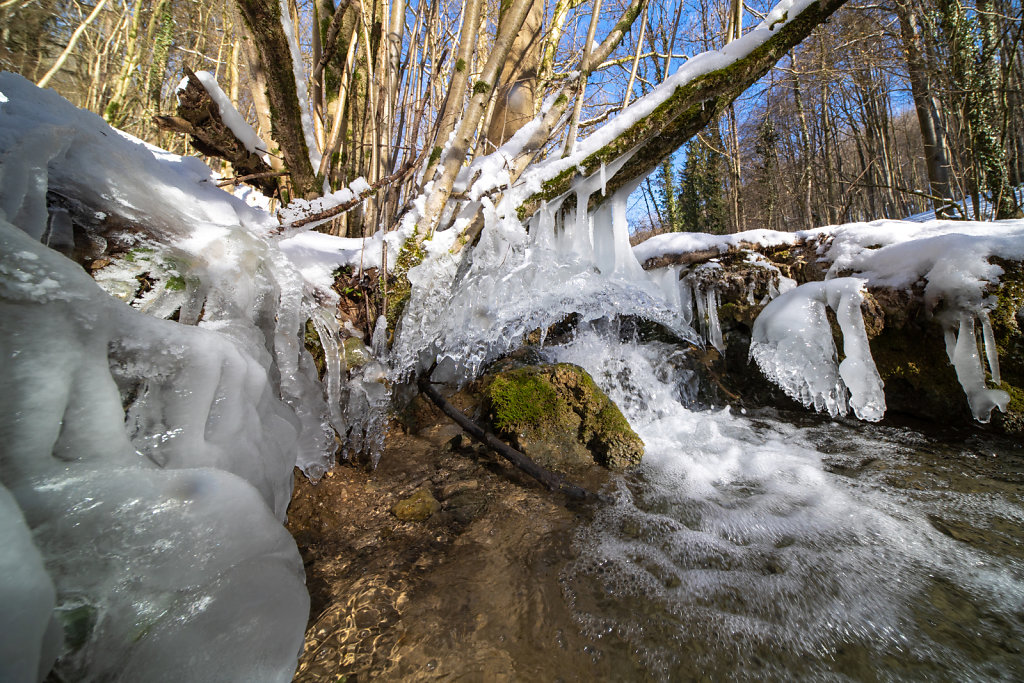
(200, 118)
(263, 19)
(926, 104)
(517, 93)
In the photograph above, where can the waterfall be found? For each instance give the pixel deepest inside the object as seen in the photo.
(736, 547)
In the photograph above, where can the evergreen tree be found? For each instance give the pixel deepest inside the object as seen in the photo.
(702, 205)
(766, 147)
(668, 202)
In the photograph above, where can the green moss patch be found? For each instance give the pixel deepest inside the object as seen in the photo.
(559, 416)
(522, 400)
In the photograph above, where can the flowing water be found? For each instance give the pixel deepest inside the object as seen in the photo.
(759, 546)
(773, 546)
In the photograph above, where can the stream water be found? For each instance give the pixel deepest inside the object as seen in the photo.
(779, 546)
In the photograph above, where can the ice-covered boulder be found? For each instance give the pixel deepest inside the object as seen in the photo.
(938, 307)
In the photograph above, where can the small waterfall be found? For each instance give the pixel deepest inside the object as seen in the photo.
(736, 549)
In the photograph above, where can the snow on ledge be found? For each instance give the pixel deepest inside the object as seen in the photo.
(230, 116)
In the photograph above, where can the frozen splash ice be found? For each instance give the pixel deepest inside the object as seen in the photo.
(792, 344)
(468, 309)
(962, 348)
(151, 460)
(159, 527)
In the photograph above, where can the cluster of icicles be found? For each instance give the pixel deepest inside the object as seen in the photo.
(578, 261)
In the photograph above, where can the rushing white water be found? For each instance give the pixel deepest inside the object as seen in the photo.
(734, 551)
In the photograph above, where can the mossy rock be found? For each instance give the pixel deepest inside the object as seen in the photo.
(558, 416)
(1008, 329)
(355, 353)
(416, 508)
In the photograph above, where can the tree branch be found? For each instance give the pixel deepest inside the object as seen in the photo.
(200, 118)
(549, 479)
(684, 113)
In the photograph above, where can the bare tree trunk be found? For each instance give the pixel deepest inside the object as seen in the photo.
(458, 85)
(452, 160)
(71, 44)
(263, 18)
(806, 178)
(517, 95)
(926, 105)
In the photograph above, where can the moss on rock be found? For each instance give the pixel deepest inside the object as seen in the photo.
(557, 415)
(416, 508)
(1008, 329)
(398, 287)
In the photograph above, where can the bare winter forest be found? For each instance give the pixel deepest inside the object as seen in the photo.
(887, 109)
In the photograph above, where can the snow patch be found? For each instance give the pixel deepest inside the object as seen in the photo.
(231, 117)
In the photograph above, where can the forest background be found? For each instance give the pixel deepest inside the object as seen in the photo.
(888, 109)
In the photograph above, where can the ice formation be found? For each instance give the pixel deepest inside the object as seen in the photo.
(159, 528)
(146, 465)
(952, 260)
(949, 261)
(169, 447)
(792, 344)
(467, 310)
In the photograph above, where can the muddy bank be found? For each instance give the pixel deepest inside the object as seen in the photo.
(472, 593)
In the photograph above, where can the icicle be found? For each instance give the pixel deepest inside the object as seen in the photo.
(668, 283)
(604, 180)
(577, 240)
(604, 240)
(686, 300)
(700, 297)
(626, 265)
(949, 337)
(858, 371)
(991, 352)
(750, 294)
(327, 330)
(542, 227)
(60, 235)
(970, 374)
(379, 342)
(192, 309)
(792, 344)
(714, 327)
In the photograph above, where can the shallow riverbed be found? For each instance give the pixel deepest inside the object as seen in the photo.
(763, 546)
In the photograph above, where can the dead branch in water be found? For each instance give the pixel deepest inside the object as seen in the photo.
(552, 481)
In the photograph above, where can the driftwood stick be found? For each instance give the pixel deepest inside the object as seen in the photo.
(549, 479)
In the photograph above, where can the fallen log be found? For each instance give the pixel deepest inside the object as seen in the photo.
(199, 117)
